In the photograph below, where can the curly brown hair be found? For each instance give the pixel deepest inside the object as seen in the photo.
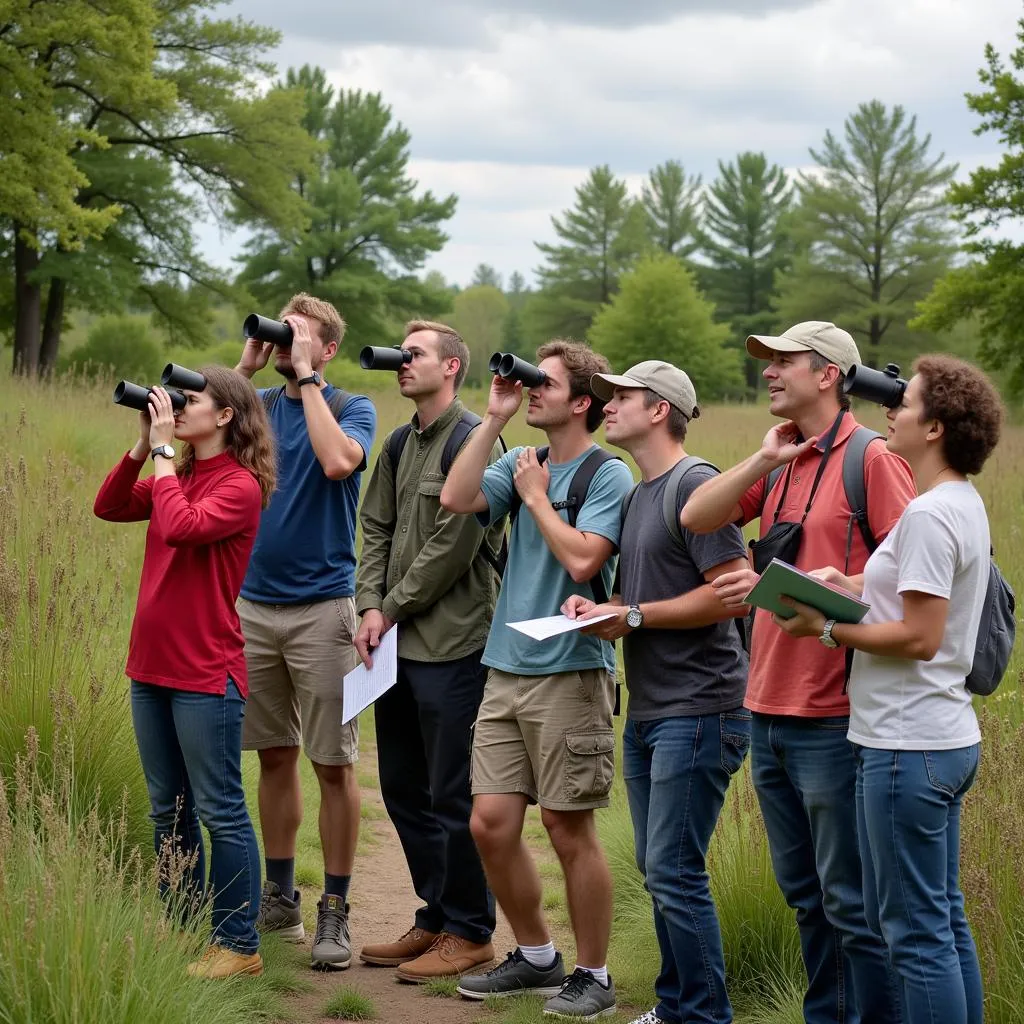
(968, 406)
(249, 437)
(332, 326)
(582, 362)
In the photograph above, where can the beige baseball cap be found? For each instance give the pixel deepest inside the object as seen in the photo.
(664, 379)
(820, 336)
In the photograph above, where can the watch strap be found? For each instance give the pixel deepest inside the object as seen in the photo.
(311, 379)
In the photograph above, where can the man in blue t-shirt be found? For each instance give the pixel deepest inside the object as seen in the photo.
(544, 730)
(297, 610)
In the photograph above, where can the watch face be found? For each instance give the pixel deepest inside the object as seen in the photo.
(634, 617)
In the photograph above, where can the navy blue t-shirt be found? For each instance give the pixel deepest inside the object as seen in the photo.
(306, 546)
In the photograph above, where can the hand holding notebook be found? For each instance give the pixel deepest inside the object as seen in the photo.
(780, 579)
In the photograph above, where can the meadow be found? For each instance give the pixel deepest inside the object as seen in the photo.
(82, 936)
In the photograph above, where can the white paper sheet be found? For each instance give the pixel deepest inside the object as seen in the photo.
(554, 625)
(362, 686)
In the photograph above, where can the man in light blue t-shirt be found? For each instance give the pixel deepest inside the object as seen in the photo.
(297, 610)
(544, 730)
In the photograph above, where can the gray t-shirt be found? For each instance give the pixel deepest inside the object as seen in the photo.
(675, 672)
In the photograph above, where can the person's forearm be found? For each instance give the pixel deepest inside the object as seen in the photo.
(710, 506)
(140, 451)
(461, 489)
(697, 608)
(339, 456)
(885, 640)
(245, 371)
(580, 554)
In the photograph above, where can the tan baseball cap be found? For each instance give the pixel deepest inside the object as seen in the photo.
(664, 379)
(820, 336)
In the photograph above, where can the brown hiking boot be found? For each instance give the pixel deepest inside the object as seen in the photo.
(449, 957)
(415, 942)
(218, 962)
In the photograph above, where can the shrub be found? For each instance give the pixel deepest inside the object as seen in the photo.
(120, 347)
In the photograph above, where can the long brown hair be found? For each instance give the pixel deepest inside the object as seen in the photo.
(249, 437)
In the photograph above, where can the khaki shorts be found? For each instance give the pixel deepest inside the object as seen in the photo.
(549, 737)
(297, 656)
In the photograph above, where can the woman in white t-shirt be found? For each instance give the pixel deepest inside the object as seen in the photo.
(912, 723)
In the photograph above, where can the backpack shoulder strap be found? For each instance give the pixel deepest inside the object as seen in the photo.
(670, 497)
(853, 481)
(770, 482)
(581, 480)
(271, 396)
(516, 503)
(337, 402)
(396, 444)
(457, 438)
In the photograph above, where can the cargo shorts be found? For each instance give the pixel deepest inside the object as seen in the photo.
(547, 737)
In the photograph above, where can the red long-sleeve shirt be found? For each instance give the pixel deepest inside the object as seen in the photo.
(186, 632)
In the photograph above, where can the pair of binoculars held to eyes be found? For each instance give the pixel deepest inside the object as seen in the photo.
(510, 367)
(262, 328)
(881, 387)
(175, 379)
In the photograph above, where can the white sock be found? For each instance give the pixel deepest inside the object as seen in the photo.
(599, 973)
(539, 956)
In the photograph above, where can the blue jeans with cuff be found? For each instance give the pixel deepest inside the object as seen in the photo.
(191, 750)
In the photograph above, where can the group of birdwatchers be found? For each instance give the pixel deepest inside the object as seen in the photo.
(863, 741)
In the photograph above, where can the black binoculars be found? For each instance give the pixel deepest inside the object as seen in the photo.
(175, 376)
(511, 367)
(133, 396)
(374, 358)
(881, 387)
(262, 328)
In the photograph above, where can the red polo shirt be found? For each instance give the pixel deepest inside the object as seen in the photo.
(802, 677)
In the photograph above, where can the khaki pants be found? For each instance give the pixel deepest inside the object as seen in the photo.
(297, 656)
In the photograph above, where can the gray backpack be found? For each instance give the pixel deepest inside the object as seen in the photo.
(996, 633)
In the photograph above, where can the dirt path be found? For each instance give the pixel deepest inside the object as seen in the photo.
(382, 906)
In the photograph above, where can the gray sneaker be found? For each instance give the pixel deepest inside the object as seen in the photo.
(332, 948)
(582, 997)
(514, 976)
(279, 914)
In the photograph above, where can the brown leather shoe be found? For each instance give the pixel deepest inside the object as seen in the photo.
(449, 956)
(415, 942)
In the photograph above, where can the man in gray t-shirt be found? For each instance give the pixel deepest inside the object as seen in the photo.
(686, 732)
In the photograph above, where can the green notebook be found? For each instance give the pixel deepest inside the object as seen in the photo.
(781, 579)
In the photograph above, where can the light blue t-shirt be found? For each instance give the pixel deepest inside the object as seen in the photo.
(535, 583)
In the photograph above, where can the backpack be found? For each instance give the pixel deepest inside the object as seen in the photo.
(578, 487)
(669, 504)
(853, 485)
(996, 633)
(468, 422)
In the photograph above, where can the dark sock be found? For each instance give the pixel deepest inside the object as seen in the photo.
(281, 871)
(337, 885)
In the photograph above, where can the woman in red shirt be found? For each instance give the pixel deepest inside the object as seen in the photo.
(186, 657)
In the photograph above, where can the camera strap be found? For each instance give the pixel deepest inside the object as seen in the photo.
(830, 439)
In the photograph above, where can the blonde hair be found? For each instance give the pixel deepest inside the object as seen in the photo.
(332, 326)
(449, 344)
(249, 437)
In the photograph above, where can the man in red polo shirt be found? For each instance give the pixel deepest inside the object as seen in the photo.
(803, 766)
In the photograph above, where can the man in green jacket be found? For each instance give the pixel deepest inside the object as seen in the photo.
(425, 572)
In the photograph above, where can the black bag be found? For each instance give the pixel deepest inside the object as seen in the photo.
(996, 633)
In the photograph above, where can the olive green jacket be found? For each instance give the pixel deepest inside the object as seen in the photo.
(420, 565)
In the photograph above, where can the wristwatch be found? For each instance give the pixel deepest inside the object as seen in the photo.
(314, 378)
(634, 617)
(826, 635)
(166, 450)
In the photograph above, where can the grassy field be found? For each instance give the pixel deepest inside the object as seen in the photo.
(78, 898)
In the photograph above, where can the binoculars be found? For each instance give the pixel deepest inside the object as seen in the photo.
(175, 379)
(881, 387)
(262, 328)
(511, 367)
(374, 358)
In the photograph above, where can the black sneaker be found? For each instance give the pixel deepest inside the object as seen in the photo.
(332, 948)
(514, 976)
(582, 997)
(280, 915)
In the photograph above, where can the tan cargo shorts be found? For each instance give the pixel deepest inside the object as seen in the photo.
(297, 656)
(548, 737)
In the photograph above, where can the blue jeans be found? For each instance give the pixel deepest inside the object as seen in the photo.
(805, 776)
(191, 750)
(908, 816)
(677, 771)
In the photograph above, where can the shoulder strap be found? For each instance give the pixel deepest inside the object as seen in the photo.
(580, 483)
(516, 503)
(337, 402)
(770, 482)
(853, 481)
(270, 397)
(670, 497)
(457, 438)
(396, 444)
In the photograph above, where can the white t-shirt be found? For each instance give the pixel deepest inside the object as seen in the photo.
(940, 546)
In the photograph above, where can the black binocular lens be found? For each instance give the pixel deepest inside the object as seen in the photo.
(175, 376)
(511, 367)
(379, 358)
(880, 387)
(133, 396)
(262, 328)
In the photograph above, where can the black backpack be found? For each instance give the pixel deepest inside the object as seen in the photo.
(578, 487)
(669, 504)
(460, 432)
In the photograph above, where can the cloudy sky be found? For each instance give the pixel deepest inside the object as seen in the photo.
(510, 102)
